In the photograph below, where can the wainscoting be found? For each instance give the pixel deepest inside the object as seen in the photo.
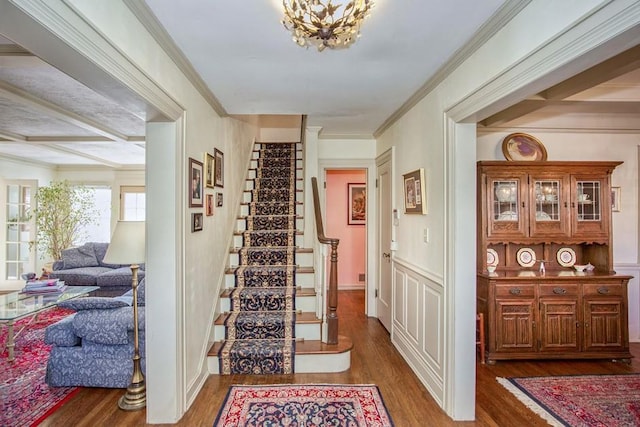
(633, 292)
(417, 330)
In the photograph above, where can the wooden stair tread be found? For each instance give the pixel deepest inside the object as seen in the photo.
(248, 203)
(230, 270)
(306, 347)
(298, 250)
(306, 317)
(240, 233)
(300, 292)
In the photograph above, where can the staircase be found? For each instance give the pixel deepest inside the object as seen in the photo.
(268, 322)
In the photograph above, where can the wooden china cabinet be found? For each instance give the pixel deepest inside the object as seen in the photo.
(557, 214)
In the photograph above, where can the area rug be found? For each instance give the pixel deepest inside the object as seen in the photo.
(581, 400)
(25, 399)
(297, 405)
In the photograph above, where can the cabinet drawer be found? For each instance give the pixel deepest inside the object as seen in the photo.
(516, 291)
(559, 289)
(603, 289)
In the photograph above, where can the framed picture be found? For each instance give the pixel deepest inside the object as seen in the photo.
(196, 222)
(415, 201)
(195, 184)
(615, 199)
(357, 204)
(209, 205)
(219, 200)
(218, 177)
(208, 170)
(522, 146)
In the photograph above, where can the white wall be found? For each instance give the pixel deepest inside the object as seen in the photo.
(501, 71)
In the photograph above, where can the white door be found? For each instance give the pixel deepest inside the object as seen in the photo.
(383, 291)
(17, 241)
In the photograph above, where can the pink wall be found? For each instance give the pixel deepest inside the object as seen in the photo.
(351, 250)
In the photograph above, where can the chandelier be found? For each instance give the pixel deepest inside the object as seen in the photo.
(324, 24)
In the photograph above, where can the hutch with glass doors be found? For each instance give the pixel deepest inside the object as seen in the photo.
(545, 281)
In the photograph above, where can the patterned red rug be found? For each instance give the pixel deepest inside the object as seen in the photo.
(25, 399)
(308, 405)
(581, 400)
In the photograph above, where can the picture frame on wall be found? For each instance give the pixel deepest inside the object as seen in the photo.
(218, 176)
(196, 222)
(219, 200)
(194, 188)
(209, 169)
(615, 199)
(209, 205)
(356, 203)
(415, 201)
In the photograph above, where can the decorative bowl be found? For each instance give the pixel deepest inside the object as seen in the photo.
(579, 267)
(491, 268)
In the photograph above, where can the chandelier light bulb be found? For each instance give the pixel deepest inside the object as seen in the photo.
(322, 23)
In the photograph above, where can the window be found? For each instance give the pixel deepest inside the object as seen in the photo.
(19, 230)
(132, 203)
(100, 230)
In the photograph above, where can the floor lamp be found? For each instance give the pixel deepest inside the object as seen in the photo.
(127, 246)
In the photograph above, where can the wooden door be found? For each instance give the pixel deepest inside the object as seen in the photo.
(515, 325)
(549, 205)
(591, 207)
(507, 216)
(559, 325)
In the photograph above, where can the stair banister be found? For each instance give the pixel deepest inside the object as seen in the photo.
(332, 314)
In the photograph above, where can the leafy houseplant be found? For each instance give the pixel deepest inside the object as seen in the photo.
(61, 211)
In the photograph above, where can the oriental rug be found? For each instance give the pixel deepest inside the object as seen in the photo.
(260, 328)
(25, 399)
(298, 405)
(580, 400)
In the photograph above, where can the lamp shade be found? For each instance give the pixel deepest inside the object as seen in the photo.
(127, 244)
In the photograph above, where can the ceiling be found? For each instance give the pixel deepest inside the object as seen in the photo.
(253, 67)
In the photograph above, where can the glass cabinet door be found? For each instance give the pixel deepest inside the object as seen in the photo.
(549, 206)
(505, 206)
(591, 209)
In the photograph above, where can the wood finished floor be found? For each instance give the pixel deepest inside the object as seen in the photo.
(373, 361)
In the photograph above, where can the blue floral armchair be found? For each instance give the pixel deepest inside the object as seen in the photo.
(94, 346)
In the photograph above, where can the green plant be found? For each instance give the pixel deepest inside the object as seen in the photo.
(61, 211)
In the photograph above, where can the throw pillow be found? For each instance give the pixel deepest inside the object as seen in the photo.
(93, 303)
(82, 256)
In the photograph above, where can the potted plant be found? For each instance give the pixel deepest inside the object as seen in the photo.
(61, 211)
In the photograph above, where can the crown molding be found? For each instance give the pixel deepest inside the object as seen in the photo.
(145, 15)
(13, 50)
(495, 23)
(579, 130)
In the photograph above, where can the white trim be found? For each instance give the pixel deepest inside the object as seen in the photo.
(433, 277)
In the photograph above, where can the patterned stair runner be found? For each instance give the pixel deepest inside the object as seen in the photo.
(260, 330)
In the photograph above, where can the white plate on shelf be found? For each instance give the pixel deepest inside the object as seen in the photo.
(526, 257)
(508, 216)
(492, 257)
(566, 257)
(542, 216)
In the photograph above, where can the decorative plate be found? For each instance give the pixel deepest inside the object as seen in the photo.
(542, 216)
(492, 257)
(526, 257)
(508, 216)
(522, 146)
(566, 257)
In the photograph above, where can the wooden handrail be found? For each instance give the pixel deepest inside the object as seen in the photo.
(332, 314)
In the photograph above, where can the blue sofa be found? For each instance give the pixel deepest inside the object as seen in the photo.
(94, 346)
(84, 266)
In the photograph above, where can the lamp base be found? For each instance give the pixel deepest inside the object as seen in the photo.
(135, 398)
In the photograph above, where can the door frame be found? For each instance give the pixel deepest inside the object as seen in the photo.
(387, 156)
(368, 165)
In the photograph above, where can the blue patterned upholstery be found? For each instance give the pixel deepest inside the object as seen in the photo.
(84, 266)
(94, 347)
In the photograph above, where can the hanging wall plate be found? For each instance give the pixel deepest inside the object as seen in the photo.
(566, 257)
(526, 257)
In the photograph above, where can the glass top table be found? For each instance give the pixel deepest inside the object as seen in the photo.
(17, 305)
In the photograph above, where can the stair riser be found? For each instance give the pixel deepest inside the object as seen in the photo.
(303, 260)
(308, 331)
(303, 303)
(241, 224)
(247, 197)
(250, 184)
(244, 210)
(238, 242)
(305, 363)
(254, 163)
(304, 280)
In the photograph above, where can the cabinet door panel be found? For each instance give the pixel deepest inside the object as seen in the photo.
(507, 216)
(559, 325)
(549, 195)
(591, 207)
(605, 324)
(515, 325)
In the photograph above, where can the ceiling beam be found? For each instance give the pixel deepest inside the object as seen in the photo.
(44, 140)
(48, 108)
(13, 50)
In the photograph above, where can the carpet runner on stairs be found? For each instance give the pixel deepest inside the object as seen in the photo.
(260, 330)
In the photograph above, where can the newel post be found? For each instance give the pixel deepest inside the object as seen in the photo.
(332, 315)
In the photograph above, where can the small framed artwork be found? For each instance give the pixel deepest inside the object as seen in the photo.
(415, 201)
(196, 222)
(209, 205)
(218, 176)
(208, 170)
(615, 199)
(195, 184)
(357, 204)
(524, 147)
(218, 200)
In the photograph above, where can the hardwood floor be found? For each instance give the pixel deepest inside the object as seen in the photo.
(373, 361)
